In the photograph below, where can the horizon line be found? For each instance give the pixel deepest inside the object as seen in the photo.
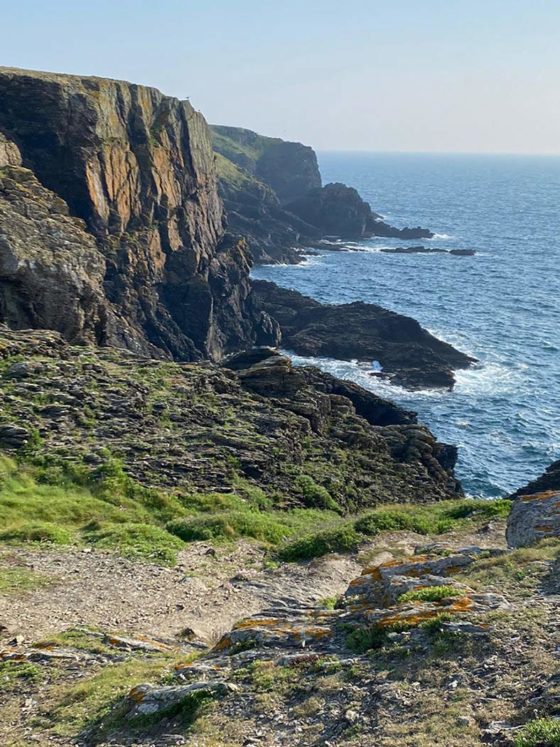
(358, 151)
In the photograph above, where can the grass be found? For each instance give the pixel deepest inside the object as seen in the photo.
(89, 702)
(15, 674)
(543, 732)
(61, 502)
(517, 572)
(16, 580)
(430, 594)
(431, 519)
(343, 538)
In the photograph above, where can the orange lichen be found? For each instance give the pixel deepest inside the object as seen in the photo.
(315, 632)
(137, 694)
(420, 615)
(223, 643)
(540, 496)
(257, 623)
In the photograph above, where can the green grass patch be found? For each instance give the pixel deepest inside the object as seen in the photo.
(517, 572)
(15, 675)
(90, 702)
(543, 732)
(144, 541)
(228, 526)
(430, 594)
(431, 519)
(314, 495)
(343, 538)
(14, 580)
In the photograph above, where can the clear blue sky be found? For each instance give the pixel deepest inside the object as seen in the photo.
(412, 75)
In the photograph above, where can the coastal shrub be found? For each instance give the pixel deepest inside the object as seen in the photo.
(430, 594)
(145, 541)
(487, 509)
(38, 531)
(383, 520)
(543, 732)
(314, 495)
(343, 538)
(230, 525)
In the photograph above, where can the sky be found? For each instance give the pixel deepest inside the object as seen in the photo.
(478, 76)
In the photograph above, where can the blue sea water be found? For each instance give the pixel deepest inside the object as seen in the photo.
(502, 305)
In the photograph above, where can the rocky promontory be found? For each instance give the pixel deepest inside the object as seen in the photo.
(339, 211)
(409, 355)
(273, 195)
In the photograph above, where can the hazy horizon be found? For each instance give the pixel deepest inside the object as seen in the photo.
(437, 77)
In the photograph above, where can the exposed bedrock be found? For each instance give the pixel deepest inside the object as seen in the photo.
(536, 510)
(409, 354)
(138, 168)
(202, 427)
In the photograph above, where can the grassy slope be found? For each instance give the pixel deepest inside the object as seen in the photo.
(107, 509)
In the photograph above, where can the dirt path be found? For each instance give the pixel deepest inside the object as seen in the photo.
(207, 591)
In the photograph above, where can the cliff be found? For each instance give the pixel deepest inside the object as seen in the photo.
(289, 169)
(138, 168)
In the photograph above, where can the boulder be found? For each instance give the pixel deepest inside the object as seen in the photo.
(534, 518)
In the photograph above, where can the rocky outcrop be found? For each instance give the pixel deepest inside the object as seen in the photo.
(138, 168)
(536, 510)
(338, 210)
(409, 354)
(254, 211)
(533, 518)
(549, 480)
(428, 250)
(199, 427)
(273, 195)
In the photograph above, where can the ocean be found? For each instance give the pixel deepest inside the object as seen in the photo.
(501, 306)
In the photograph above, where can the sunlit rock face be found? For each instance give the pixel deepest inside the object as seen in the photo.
(138, 168)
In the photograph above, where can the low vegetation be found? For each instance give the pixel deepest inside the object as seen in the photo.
(430, 594)
(65, 503)
(544, 732)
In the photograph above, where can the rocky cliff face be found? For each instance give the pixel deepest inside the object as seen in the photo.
(138, 168)
(338, 210)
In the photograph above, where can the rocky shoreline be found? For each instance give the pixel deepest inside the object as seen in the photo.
(410, 356)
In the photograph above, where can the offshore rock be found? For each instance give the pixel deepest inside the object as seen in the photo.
(409, 354)
(138, 168)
